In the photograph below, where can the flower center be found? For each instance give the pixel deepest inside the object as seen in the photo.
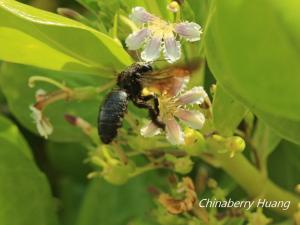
(167, 107)
(159, 26)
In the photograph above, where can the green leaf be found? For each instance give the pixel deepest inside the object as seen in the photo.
(39, 38)
(67, 159)
(117, 205)
(227, 113)
(14, 83)
(70, 196)
(265, 140)
(286, 128)
(283, 165)
(253, 50)
(10, 133)
(156, 7)
(24, 188)
(200, 8)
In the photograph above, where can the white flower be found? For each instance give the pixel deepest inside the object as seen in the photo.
(171, 108)
(43, 124)
(157, 34)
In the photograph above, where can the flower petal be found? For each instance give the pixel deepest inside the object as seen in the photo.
(152, 50)
(44, 127)
(174, 132)
(172, 49)
(193, 119)
(150, 130)
(194, 96)
(140, 15)
(190, 31)
(135, 40)
(43, 124)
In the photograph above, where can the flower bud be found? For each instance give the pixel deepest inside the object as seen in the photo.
(258, 218)
(235, 145)
(297, 189)
(212, 183)
(182, 165)
(118, 174)
(173, 6)
(194, 142)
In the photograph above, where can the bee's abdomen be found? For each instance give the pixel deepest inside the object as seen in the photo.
(111, 115)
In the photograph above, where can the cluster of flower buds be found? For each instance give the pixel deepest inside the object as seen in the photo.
(112, 169)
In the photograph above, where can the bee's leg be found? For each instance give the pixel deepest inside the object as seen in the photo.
(147, 97)
(156, 105)
(155, 99)
(153, 114)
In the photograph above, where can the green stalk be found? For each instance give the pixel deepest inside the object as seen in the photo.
(255, 183)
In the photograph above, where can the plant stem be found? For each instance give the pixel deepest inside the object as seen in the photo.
(33, 79)
(51, 98)
(255, 183)
(144, 169)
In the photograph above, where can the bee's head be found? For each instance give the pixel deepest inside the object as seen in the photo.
(144, 67)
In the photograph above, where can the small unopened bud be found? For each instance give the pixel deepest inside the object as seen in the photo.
(93, 175)
(258, 218)
(235, 145)
(297, 189)
(70, 119)
(173, 6)
(212, 183)
(297, 218)
(79, 122)
(213, 89)
(218, 138)
(97, 161)
(182, 165)
(194, 142)
(118, 174)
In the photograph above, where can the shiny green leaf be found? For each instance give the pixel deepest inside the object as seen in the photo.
(253, 50)
(26, 197)
(10, 133)
(14, 83)
(283, 165)
(117, 205)
(265, 140)
(39, 38)
(227, 113)
(286, 128)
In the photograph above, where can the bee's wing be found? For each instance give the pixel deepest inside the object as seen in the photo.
(169, 80)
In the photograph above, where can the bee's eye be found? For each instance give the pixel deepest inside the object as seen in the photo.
(146, 68)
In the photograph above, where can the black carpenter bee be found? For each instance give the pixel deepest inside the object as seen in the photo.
(131, 83)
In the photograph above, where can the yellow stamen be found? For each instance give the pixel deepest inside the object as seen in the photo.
(161, 27)
(167, 107)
